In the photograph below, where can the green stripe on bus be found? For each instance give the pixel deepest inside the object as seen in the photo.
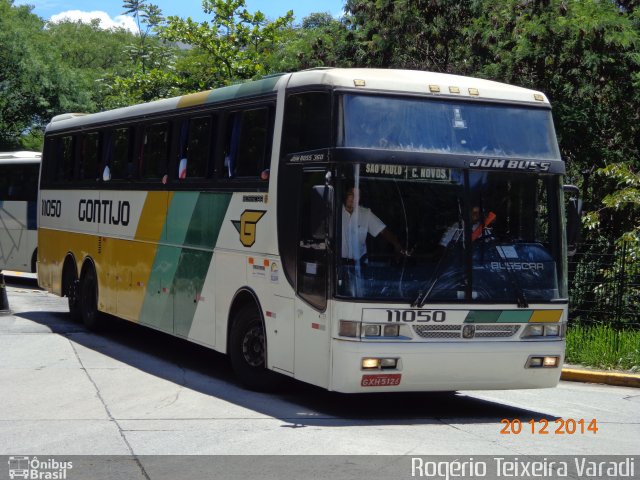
(158, 308)
(515, 316)
(483, 316)
(498, 316)
(180, 267)
(193, 266)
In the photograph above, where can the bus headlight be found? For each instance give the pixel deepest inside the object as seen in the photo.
(391, 330)
(535, 331)
(543, 330)
(348, 328)
(552, 330)
(372, 330)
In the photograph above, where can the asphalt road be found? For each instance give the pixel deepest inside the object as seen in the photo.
(133, 391)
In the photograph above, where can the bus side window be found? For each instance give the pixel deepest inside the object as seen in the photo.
(16, 183)
(90, 156)
(117, 157)
(65, 159)
(154, 151)
(194, 147)
(4, 182)
(307, 123)
(247, 143)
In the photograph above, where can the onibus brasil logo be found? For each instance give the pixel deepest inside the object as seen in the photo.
(33, 468)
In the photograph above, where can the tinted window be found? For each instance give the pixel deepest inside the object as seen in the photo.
(154, 147)
(65, 163)
(19, 182)
(439, 126)
(307, 124)
(90, 156)
(120, 159)
(246, 152)
(195, 147)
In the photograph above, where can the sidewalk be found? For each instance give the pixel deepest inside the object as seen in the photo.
(580, 373)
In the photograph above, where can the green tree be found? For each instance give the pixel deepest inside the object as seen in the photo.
(235, 42)
(152, 72)
(92, 54)
(320, 41)
(145, 52)
(417, 34)
(34, 85)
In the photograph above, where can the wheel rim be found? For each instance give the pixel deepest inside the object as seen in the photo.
(253, 346)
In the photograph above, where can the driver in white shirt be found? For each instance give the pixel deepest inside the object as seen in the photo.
(359, 222)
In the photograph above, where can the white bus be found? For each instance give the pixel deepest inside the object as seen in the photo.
(360, 230)
(18, 210)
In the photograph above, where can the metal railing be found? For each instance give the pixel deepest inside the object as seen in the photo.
(604, 284)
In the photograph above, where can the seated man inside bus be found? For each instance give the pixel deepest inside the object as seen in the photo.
(357, 223)
(479, 228)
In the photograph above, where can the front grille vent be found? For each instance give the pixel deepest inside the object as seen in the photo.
(455, 331)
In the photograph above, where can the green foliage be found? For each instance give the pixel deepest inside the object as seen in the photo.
(141, 87)
(418, 34)
(91, 54)
(146, 52)
(234, 42)
(34, 83)
(321, 41)
(603, 346)
(622, 200)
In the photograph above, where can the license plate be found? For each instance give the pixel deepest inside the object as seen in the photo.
(388, 380)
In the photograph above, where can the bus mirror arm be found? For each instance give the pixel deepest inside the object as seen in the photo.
(574, 214)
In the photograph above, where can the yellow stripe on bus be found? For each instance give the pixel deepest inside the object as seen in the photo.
(546, 316)
(153, 216)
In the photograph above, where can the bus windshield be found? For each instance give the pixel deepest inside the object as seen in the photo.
(442, 126)
(422, 234)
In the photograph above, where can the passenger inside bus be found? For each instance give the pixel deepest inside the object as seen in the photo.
(480, 227)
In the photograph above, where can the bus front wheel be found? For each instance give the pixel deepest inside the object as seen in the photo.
(247, 349)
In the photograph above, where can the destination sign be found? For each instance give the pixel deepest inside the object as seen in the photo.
(432, 174)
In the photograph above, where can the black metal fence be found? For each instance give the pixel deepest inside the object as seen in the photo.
(604, 284)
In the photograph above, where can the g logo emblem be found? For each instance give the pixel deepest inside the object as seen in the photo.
(246, 226)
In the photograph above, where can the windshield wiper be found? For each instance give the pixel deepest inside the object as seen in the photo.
(422, 297)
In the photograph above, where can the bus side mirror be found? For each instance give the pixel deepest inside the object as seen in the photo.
(574, 214)
(320, 211)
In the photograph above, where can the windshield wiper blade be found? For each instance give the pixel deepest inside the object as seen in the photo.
(423, 297)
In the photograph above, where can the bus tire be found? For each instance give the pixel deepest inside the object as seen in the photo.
(71, 289)
(247, 349)
(73, 299)
(88, 299)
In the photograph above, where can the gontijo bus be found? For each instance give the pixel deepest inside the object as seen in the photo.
(18, 213)
(218, 217)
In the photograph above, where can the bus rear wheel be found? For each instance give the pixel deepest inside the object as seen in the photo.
(73, 298)
(71, 289)
(88, 299)
(248, 351)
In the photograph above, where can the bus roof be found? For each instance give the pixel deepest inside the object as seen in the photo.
(20, 157)
(365, 79)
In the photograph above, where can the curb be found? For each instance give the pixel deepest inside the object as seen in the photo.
(608, 378)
